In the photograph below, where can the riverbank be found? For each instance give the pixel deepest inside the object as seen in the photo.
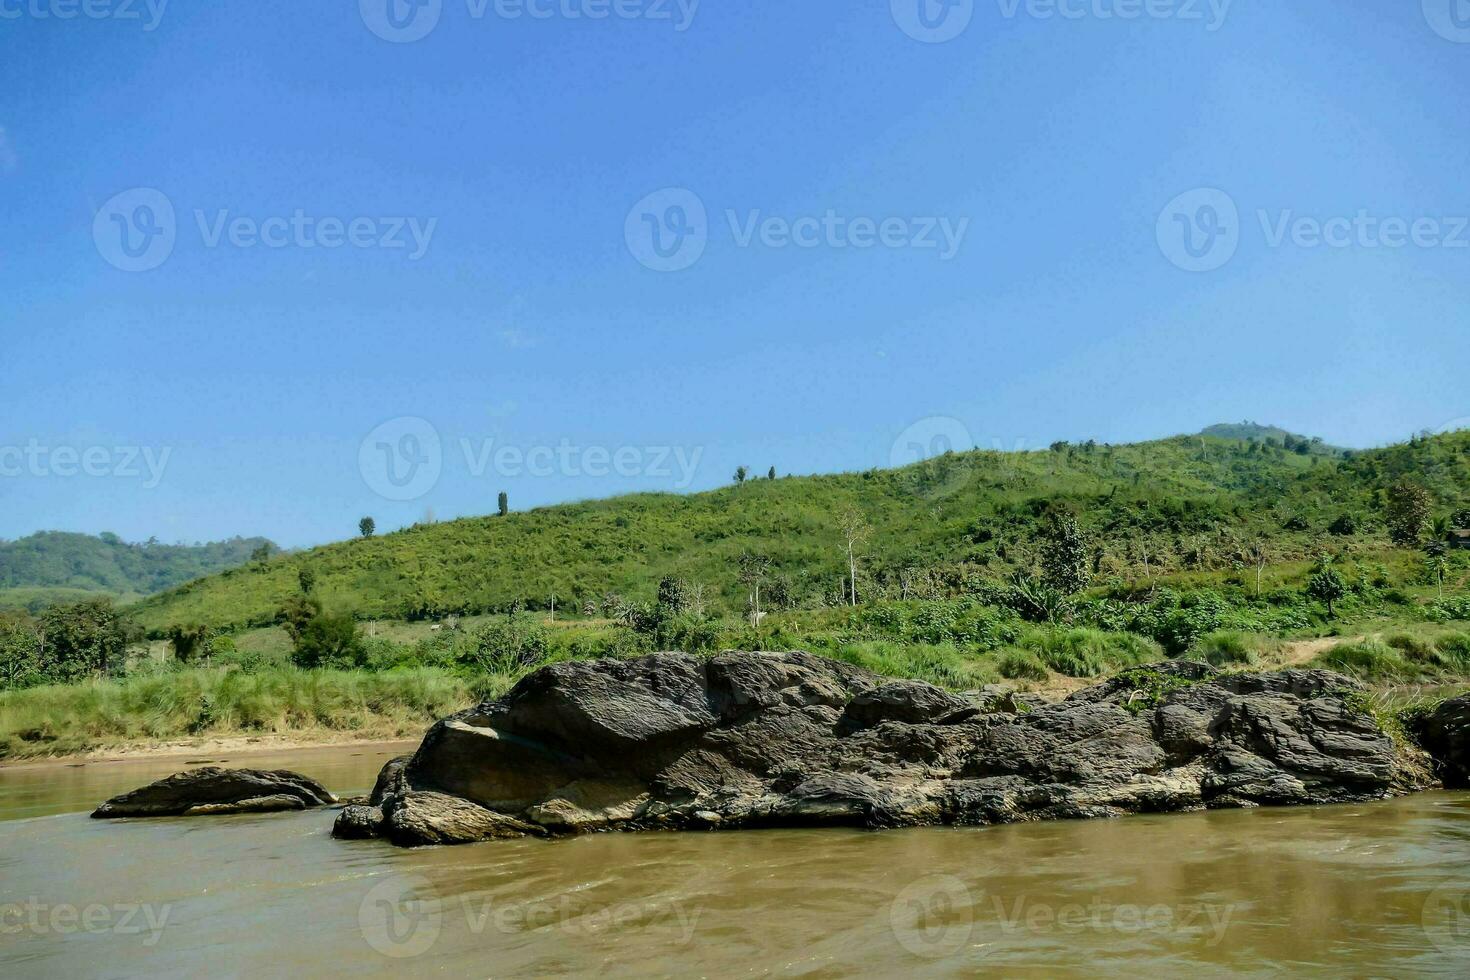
(241, 749)
(188, 710)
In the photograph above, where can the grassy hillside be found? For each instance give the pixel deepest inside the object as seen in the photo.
(1195, 503)
(55, 566)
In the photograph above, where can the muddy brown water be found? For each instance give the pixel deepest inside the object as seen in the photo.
(1375, 889)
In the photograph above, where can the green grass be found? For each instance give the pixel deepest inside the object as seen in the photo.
(1090, 652)
(216, 702)
(942, 664)
(1232, 648)
(1402, 657)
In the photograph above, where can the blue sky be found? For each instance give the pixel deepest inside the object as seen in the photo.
(223, 385)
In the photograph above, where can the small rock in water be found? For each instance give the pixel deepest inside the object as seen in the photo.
(213, 790)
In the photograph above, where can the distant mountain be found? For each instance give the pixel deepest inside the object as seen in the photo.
(62, 565)
(1254, 432)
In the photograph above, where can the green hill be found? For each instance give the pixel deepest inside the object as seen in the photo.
(1271, 434)
(1190, 502)
(54, 565)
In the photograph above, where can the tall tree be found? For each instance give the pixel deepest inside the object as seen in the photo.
(741, 473)
(367, 527)
(83, 638)
(1326, 585)
(1407, 511)
(503, 504)
(771, 474)
(855, 531)
(1064, 564)
(753, 571)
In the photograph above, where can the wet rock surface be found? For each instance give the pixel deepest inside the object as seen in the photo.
(212, 790)
(1445, 733)
(673, 741)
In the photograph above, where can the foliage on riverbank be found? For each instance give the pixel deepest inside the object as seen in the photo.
(197, 703)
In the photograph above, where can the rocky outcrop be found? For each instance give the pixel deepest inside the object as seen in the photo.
(213, 790)
(672, 741)
(1445, 734)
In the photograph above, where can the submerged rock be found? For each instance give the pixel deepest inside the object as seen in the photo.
(212, 790)
(672, 741)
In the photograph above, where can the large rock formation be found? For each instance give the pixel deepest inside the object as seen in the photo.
(1445, 733)
(672, 741)
(213, 790)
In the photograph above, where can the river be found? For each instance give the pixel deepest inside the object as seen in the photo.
(1374, 889)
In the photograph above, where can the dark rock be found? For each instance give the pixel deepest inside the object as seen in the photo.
(213, 790)
(1445, 735)
(358, 822)
(672, 741)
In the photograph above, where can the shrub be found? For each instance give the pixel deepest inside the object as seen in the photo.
(504, 645)
(1022, 665)
(1223, 648)
(1089, 652)
(328, 640)
(1370, 659)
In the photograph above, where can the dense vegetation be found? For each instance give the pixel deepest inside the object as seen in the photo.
(55, 565)
(1040, 570)
(1189, 504)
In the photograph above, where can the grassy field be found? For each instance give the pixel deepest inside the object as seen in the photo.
(201, 703)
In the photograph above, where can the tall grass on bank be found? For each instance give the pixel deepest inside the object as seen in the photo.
(1401, 657)
(190, 703)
